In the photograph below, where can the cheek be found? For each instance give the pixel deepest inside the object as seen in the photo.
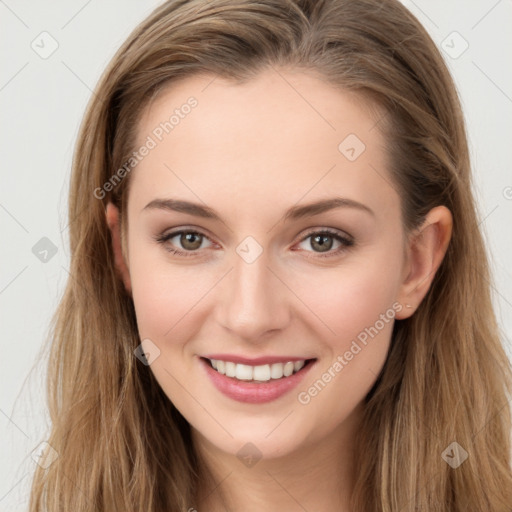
(352, 296)
(164, 292)
(153, 305)
(359, 309)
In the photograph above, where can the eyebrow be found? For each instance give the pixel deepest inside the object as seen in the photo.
(293, 213)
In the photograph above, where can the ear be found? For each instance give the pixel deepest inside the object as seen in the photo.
(425, 252)
(112, 215)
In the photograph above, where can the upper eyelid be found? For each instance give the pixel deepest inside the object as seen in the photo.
(179, 231)
(330, 231)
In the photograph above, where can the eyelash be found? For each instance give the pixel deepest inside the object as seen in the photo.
(346, 242)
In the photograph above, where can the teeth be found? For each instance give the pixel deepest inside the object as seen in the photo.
(276, 370)
(243, 372)
(262, 373)
(230, 368)
(288, 369)
(298, 365)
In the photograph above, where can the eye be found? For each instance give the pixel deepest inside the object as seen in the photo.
(191, 242)
(323, 241)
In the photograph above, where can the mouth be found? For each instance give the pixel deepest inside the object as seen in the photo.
(258, 373)
(256, 383)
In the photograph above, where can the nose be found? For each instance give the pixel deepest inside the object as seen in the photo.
(254, 300)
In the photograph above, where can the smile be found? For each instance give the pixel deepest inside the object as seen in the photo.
(260, 373)
(258, 383)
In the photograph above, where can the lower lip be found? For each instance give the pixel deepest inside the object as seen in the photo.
(254, 392)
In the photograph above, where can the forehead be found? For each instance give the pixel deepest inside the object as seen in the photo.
(278, 137)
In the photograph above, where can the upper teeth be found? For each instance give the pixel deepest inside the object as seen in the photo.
(263, 372)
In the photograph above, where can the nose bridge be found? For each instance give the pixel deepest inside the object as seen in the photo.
(254, 300)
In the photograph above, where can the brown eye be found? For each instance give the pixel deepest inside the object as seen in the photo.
(183, 243)
(191, 241)
(321, 242)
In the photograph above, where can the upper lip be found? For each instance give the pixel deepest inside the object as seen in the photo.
(256, 361)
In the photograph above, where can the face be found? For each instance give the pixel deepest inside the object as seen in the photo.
(227, 259)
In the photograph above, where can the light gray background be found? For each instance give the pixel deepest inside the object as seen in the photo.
(42, 102)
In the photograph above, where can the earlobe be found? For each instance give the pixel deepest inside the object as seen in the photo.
(112, 217)
(426, 250)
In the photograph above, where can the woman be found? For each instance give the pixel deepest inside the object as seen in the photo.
(280, 295)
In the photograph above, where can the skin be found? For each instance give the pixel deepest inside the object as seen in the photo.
(250, 152)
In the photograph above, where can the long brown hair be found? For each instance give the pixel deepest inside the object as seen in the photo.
(446, 379)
